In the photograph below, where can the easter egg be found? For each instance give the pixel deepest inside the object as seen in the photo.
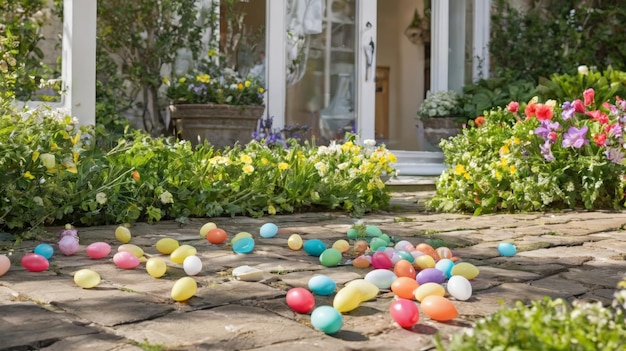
(373, 231)
(330, 257)
(405, 255)
(192, 265)
(377, 243)
(216, 236)
(5, 264)
(404, 268)
(125, 260)
(430, 275)
(444, 252)
(68, 245)
(326, 319)
(380, 260)
(243, 246)
(404, 287)
(44, 250)
(366, 290)
(360, 246)
(459, 287)
(445, 265)
(86, 278)
(98, 250)
(133, 249)
(428, 250)
(424, 261)
(156, 267)
(507, 249)
(294, 242)
(184, 289)
(386, 238)
(439, 308)
(206, 227)
(362, 262)
(347, 299)
(314, 247)
(268, 230)
(465, 269)
(341, 245)
(182, 252)
(322, 285)
(352, 233)
(167, 245)
(122, 234)
(35, 262)
(404, 245)
(382, 278)
(404, 312)
(300, 300)
(429, 289)
(240, 236)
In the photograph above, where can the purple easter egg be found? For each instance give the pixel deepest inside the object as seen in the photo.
(68, 245)
(430, 275)
(380, 260)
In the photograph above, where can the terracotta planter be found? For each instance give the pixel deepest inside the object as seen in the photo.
(221, 125)
(435, 129)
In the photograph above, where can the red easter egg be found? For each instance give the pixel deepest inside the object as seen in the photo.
(216, 236)
(404, 312)
(98, 250)
(35, 262)
(405, 287)
(380, 260)
(404, 268)
(300, 300)
(439, 308)
(125, 260)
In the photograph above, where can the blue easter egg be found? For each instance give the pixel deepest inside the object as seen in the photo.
(268, 230)
(314, 247)
(507, 249)
(322, 285)
(445, 265)
(44, 250)
(243, 245)
(327, 319)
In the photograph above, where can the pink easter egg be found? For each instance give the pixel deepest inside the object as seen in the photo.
(300, 300)
(35, 262)
(380, 260)
(125, 260)
(404, 312)
(98, 250)
(68, 245)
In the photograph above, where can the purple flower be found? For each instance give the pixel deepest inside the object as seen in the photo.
(546, 151)
(575, 137)
(545, 128)
(614, 155)
(615, 129)
(568, 110)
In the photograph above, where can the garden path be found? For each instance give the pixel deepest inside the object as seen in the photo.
(569, 254)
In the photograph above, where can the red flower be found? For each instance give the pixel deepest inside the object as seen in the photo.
(479, 121)
(588, 95)
(600, 139)
(578, 106)
(552, 136)
(513, 106)
(135, 176)
(544, 112)
(529, 111)
(599, 116)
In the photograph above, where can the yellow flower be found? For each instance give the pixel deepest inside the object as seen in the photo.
(459, 170)
(498, 175)
(245, 159)
(504, 150)
(35, 156)
(503, 162)
(247, 83)
(48, 160)
(347, 146)
(166, 81)
(467, 176)
(182, 80)
(212, 53)
(516, 140)
(283, 166)
(264, 161)
(239, 86)
(203, 78)
(27, 175)
(512, 169)
(75, 139)
(261, 90)
(72, 169)
(271, 210)
(248, 169)
(53, 147)
(75, 154)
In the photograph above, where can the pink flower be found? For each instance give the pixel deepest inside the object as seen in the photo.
(599, 116)
(588, 95)
(513, 106)
(544, 112)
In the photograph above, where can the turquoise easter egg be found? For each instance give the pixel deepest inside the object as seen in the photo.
(314, 247)
(243, 246)
(405, 255)
(44, 250)
(268, 230)
(326, 319)
(322, 285)
(507, 249)
(445, 265)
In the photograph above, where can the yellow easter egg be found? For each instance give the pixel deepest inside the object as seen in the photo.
(424, 261)
(240, 235)
(294, 242)
(367, 290)
(429, 289)
(184, 289)
(347, 299)
(465, 269)
(122, 234)
(206, 228)
(167, 245)
(86, 278)
(341, 245)
(133, 249)
(156, 267)
(182, 252)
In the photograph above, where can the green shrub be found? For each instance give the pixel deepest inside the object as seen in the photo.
(487, 94)
(565, 87)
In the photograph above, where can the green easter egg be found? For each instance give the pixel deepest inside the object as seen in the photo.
(330, 257)
(373, 231)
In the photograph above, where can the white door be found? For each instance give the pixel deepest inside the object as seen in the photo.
(327, 78)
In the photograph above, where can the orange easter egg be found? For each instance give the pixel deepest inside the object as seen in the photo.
(405, 287)
(427, 249)
(439, 308)
(404, 268)
(361, 262)
(360, 246)
(444, 252)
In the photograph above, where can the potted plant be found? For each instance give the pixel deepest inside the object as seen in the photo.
(440, 116)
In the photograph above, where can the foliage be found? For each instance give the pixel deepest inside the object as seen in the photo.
(555, 36)
(487, 94)
(443, 103)
(53, 172)
(563, 87)
(549, 324)
(212, 83)
(537, 156)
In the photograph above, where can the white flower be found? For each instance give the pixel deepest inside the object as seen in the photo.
(583, 69)
(166, 198)
(38, 200)
(369, 142)
(101, 198)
